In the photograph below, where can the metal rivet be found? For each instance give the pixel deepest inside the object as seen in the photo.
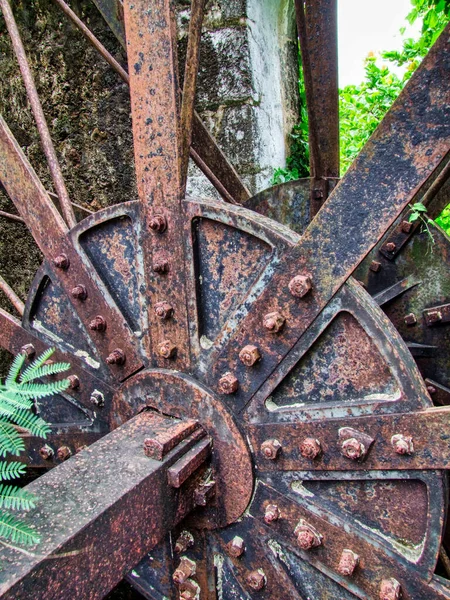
(307, 536)
(271, 513)
(375, 266)
(348, 562)
(161, 266)
(433, 316)
(256, 579)
(79, 292)
(402, 444)
(163, 310)
(98, 323)
(29, 350)
(410, 319)
(390, 589)
(228, 383)
(271, 449)
(310, 448)
(406, 226)
(353, 449)
(117, 357)
(62, 262)
(300, 285)
(236, 547)
(274, 322)
(46, 452)
(74, 382)
(185, 569)
(431, 389)
(167, 349)
(391, 247)
(97, 398)
(158, 223)
(64, 453)
(184, 541)
(249, 355)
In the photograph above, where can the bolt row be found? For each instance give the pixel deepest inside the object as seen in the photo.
(351, 448)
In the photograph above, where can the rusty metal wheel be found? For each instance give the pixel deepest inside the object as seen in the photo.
(326, 476)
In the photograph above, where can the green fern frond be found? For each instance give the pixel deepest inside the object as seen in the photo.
(37, 363)
(44, 371)
(39, 390)
(32, 423)
(10, 440)
(11, 470)
(16, 530)
(15, 368)
(14, 498)
(11, 398)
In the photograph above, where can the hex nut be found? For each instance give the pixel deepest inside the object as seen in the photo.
(236, 547)
(375, 266)
(348, 562)
(62, 262)
(410, 319)
(46, 452)
(310, 448)
(185, 569)
(274, 322)
(406, 226)
(64, 453)
(158, 223)
(98, 323)
(97, 398)
(402, 444)
(167, 349)
(163, 310)
(300, 285)
(79, 292)
(271, 449)
(307, 536)
(117, 357)
(256, 579)
(228, 384)
(29, 350)
(390, 589)
(249, 355)
(184, 541)
(353, 449)
(391, 247)
(161, 265)
(271, 513)
(74, 382)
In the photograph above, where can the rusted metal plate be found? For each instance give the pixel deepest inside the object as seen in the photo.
(112, 504)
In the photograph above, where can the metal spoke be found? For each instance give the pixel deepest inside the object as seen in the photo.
(12, 296)
(11, 217)
(38, 113)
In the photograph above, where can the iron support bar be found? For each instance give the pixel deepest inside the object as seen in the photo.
(11, 217)
(98, 514)
(12, 296)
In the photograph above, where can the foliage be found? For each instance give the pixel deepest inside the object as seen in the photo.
(418, 212)
(17, 397)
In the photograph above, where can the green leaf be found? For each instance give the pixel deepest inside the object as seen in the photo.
(418, 206)
(10, 440)
(413, 217)
(14, 498)
(16, 530)
(11, 470)
(15, 368)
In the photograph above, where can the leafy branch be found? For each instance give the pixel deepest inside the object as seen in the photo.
(419, 213)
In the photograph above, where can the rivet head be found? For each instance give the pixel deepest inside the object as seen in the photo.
(390, 589)
(274, 322)
(64, 453)
(184, 541)
(29, 350)
(353, 449)
(271, 513)
(402, 444)
(185, 569)
(348, 562)
(117, 357)
(62, 262)
(310, 448)
(163, 310)
(236, 547)
(161, 266)
(406, 226)
(375, 266)
(167, 349)
(228, 384)
(97, 398)
(98, 323)
(249, 355)
(158, 223)
(307, 536)
(410, 319)
(79, 292)
(300, 285)
(271, 449)
(391, 247)
(46, 452)
(256, 579)
(74, 382)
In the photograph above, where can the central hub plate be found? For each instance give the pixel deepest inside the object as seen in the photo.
(178, 395)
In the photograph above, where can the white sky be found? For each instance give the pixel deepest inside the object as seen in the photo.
(365, 26)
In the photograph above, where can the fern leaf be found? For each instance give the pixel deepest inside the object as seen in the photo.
(37, 363)
(10, 440)
(14, 498)
(41, 390)
(44, 371)
(13, 399)
(11, 470)
(16, 530)
(15, 368)
(32, 423)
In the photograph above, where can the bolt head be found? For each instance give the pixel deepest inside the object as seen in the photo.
(185, 569)
(431, 389)
(274, 322)
(390, 589)
(117, 357)
(348, 562)
(375, 266)
(74, 382)
(406, 226)
(391, 247)
(410, 319)
(353, 449)
(402, 444)
(158, 223)
(161, 266)
(163, 310)
(79, 292)
(166, 349)
(236, 547)
(272, 513)
(29, 350)
(46, 452)
(185, 541)
(271, 449)
(64, 453)
(249, 355)
(434, 316)
(256, 579)
(310, 448)
(228, 384)
(300, 285)
(62, 262)
(97, 398)
(98, 324)
(307, 536)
